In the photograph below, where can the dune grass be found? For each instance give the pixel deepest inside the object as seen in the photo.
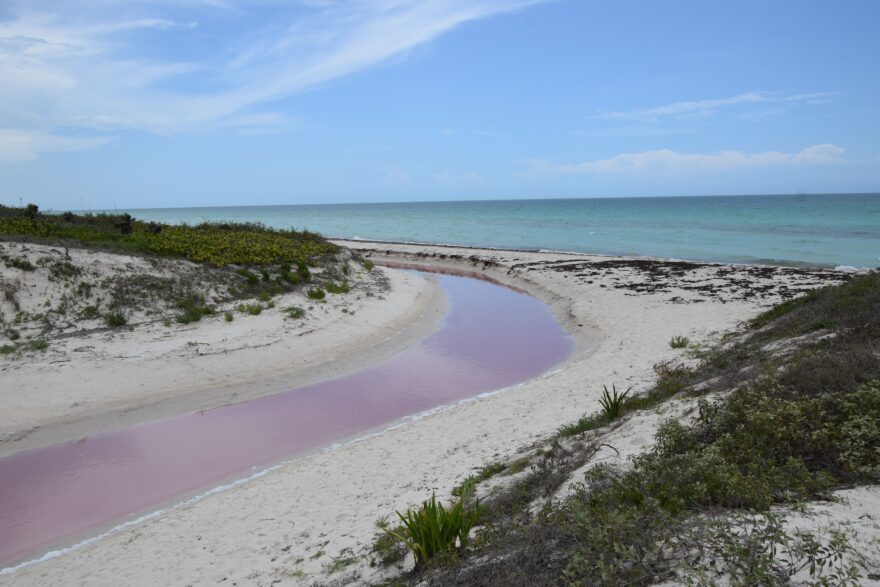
(781, 428)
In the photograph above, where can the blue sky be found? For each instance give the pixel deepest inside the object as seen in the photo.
(155, 103)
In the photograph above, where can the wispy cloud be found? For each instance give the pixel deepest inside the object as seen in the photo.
(669, 161)
(20, 146)
(452, 178)
(690, 109)
(111, 66)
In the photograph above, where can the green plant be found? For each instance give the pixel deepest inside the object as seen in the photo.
(250, 277)
(368, 265)
(13, 334)
(7, 349)
(337, 288)
(115, 319)
(295, 312)
(38, 344)
(228, 316)
(679, 342)
(22, 264)
(612, 403)
(470, 481)
(432, 529)
(251, 309)
(316, 293)
(90, 312)
(193, 310)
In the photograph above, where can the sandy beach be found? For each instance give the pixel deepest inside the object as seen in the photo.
(290, 525)
(96, 379)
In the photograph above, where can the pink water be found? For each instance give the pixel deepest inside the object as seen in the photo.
(492, 337)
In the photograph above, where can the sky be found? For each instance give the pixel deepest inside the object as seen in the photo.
(162, 103)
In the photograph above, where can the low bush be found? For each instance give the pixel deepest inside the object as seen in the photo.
(337, 288)
(433, 530)
(316, 293)
(115, 319)
(192, 310)
(679, 342)
(38, 344)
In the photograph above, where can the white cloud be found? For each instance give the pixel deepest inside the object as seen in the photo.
(669, 161)
(704, 108)
(79, 64)
(17, 146)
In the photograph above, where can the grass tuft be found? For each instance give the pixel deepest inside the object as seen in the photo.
(679, 342)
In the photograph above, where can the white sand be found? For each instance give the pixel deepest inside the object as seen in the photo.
(103, 379)
(289, 525)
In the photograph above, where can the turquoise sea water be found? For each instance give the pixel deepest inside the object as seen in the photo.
(827, 230)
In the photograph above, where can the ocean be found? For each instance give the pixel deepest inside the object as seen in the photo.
(831, 230)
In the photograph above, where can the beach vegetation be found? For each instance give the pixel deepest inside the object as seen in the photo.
(215, 243)
(250, 309)
(433, 530)
(192, 309)
(518, 466)
(249, 276)
(701, 506)
(8, 349)
(294, 312)
(679, 342)
(612, 403)
(345, 559)
(337, 288)
(368, 265)
(115, 319)
(484, 473)
(228, 316)
(18, 263)
(37, 344)
(12, 334)
(315, 293)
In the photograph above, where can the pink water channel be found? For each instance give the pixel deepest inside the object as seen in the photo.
(491, 337)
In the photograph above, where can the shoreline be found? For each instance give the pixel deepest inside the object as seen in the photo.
(153, 372)
(352, 242)
(294, 518)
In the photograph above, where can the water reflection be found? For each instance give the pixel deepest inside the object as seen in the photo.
(492, 337)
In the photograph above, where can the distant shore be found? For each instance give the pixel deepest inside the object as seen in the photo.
(286, 525)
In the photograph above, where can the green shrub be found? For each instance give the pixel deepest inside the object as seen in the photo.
(90, 312)
(22, 264)
(679, 342)
(228, 316)
(193, 309)
(251, 309)
(38, 344)
(295, 312)
(7, 349)
(216, 243)
(337, 288)
(432, 529)
(612, 403)
(368, 265)
(13, 334)
(115, 319)
(250, 277)
(316, 293)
